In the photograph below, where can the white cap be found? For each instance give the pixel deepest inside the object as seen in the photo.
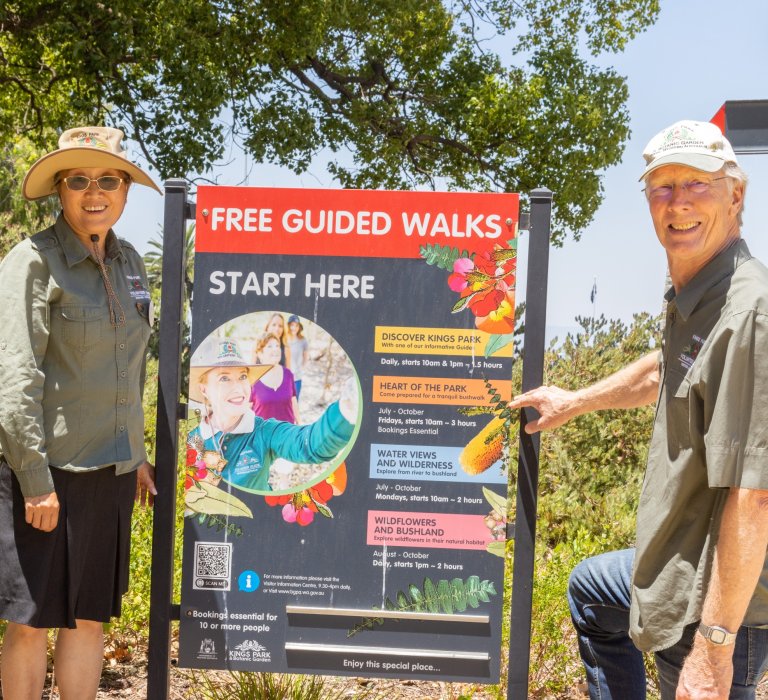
(699, 145)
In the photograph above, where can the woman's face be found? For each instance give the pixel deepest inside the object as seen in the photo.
(293, 327)
(270, 353)
(228, 391)
(92, 211)
(275, 325)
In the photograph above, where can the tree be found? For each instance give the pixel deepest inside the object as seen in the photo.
(18, 218)
(414, 90)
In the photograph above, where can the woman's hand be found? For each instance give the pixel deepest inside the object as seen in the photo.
(42, 512)
(145, 485)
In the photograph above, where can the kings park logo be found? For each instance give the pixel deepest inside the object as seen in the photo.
(250, 650)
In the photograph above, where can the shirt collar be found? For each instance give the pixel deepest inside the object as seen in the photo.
(74, 250)
(721, 266)
(246, 425)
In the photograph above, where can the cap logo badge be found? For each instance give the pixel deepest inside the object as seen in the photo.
(227, 349)
(88, 140)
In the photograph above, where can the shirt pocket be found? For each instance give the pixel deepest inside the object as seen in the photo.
(678, 412)
(81, 326)
(144, 314)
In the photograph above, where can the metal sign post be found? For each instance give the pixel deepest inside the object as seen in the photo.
(161, 612)
(528, 459)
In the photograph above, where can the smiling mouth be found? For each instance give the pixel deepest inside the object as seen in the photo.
(96, 209)
(684, 227)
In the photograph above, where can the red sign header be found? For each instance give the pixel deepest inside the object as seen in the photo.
(361, 223)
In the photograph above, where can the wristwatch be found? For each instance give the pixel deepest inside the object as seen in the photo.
(717, 635)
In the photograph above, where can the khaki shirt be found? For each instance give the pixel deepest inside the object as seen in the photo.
(70, 383)
(710, 433)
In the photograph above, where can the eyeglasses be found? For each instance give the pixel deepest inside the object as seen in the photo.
(78, 183)
(662, 192)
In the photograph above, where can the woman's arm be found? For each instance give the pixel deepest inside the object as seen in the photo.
(24, 333)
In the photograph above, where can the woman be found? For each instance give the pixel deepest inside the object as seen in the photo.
(299, 349)
(276, 326)
(274, 394)
(237, 445)
(73, 334)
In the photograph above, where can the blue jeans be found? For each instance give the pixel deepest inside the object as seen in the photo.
(599, 596)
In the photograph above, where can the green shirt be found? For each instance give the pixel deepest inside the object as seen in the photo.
(252, 446)
(70, 382)
(710, 434)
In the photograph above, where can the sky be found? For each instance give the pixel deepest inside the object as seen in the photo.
(698, 54)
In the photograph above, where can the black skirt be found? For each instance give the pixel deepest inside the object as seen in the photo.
(80, 569)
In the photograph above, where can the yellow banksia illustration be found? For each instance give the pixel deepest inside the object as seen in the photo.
(484, 449)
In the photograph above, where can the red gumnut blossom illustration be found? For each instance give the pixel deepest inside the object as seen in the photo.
(486, 285)
(302, 506)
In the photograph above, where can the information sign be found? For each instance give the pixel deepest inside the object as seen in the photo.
(345, 500)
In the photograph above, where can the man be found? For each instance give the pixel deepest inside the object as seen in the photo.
(695, 589)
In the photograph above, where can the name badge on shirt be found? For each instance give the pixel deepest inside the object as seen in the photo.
(137, 290)
(691, 352)
(247, 462)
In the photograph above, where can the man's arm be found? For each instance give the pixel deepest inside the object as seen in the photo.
(738, 562)
(635, 385)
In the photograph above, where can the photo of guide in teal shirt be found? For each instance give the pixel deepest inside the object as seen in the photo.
(237, 446)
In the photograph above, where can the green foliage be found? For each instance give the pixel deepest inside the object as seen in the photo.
(592, 467)
(410, 88)
(263, 686)
(19, 218)
(153, 261)
(555, 664)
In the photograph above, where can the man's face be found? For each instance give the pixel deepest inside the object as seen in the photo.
(695, 214)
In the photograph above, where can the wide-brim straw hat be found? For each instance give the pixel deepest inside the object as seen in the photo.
(82, 147)
(219, 352)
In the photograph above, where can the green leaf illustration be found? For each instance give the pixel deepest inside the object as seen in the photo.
(442, 256)
(444, 596)
(497, 501)
(497, 342)
(211, 500)
(322, 508)
(462, 303)
(497, 548)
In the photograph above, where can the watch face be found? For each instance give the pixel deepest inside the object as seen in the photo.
(717, 636)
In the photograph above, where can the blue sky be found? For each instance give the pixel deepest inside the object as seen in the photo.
(699, 54)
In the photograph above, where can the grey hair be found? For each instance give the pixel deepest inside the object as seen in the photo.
(733, 172)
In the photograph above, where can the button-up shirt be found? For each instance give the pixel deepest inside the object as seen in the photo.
(71, 382)
(710, 434)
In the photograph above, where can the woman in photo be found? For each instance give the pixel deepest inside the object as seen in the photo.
(74, 328)
(274, 394)
(276, 326)
(299, 349)
(239, 446)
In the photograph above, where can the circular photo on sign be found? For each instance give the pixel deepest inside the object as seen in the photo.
(276, 402)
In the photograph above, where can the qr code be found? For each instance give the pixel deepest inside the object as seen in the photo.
(213, 565)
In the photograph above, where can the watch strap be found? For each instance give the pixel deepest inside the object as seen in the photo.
(717, 635)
